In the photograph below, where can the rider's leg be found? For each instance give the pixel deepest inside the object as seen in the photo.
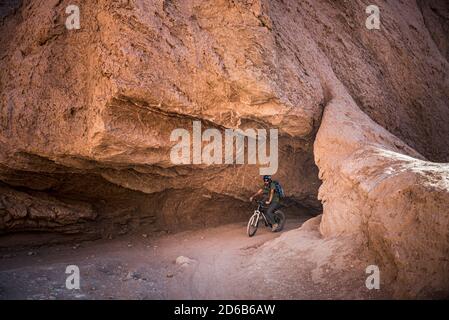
(269, 214)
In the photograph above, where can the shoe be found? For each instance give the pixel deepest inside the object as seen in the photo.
(274, 227)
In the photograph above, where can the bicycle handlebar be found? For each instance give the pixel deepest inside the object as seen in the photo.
(259, 202)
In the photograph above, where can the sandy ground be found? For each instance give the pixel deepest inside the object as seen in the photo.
(225, 264)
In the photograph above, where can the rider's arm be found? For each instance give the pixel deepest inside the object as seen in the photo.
(256, 194)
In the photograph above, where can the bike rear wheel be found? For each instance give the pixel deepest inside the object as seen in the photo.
(253, 223)
(279, 218)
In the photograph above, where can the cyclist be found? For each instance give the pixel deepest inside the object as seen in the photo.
(271, 198)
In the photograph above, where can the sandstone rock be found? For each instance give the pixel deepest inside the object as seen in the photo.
(86, 116)
(22, 211)
(95, 105)
(302, 264)
(397, 75)
(376, 186)
(184, 261)
(100, 102)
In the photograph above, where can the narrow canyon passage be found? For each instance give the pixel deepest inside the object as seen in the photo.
(138, 266)
(209, 263)
(91, 118)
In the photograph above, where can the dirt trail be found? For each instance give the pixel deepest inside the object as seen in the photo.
(138, 266)
(220, 263)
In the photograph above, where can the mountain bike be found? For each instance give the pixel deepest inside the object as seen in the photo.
(260, 215)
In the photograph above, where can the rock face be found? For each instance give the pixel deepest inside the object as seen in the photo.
(397, 75)
(324, 268)
(377, 187)
(374, 185)
(102, 101)
(86, 117)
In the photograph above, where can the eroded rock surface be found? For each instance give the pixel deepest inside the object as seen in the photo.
(377, 187)
(86, 117)
(103, 100)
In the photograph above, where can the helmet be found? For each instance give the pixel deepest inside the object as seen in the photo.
(267, 178)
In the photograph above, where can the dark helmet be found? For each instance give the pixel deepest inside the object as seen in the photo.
(267, 178)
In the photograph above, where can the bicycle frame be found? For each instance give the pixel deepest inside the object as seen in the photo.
(259, 213)
(253, 222)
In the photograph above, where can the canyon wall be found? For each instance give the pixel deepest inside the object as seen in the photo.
(377, 188)
(86, 117)
(101, 102)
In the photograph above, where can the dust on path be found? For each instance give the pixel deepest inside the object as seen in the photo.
(139, 266)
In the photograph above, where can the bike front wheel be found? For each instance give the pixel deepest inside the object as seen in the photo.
(253, 223)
